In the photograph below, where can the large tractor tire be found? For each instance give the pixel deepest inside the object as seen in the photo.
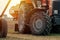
(3, 28)
(39, 22)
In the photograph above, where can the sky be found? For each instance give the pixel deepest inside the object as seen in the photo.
(3, 4)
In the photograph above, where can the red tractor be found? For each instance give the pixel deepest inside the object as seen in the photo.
(38, 17)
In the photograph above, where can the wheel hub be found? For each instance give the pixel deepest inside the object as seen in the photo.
(38, 25)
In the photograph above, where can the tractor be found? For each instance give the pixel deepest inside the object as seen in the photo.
(39, 18)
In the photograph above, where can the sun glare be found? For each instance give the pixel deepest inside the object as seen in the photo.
(4, 2)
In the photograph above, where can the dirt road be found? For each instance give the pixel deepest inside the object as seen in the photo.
(17, 36)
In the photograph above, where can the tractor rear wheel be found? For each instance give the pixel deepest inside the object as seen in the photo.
(39, 22)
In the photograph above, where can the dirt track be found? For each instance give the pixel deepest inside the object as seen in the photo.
(17, 36)
(33, 37)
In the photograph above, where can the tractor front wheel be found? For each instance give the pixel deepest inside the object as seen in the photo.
(3, 28)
